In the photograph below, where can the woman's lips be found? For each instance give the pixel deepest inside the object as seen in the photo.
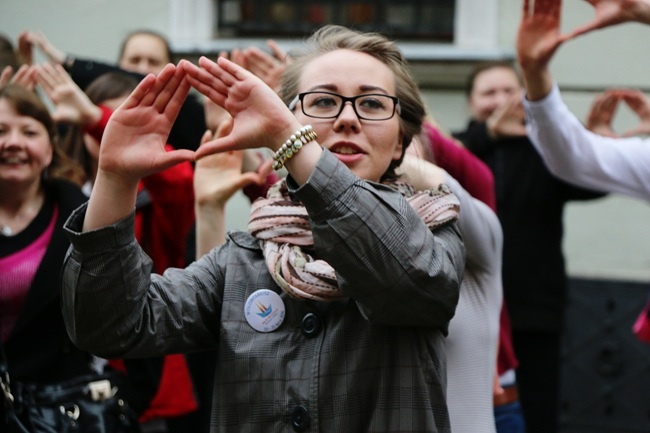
(347, 152)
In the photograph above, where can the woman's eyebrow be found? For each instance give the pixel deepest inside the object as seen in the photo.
(333, 88)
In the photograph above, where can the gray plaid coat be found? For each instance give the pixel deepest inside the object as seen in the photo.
(372, 362)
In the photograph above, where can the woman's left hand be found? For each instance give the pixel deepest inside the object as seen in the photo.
(260, 118)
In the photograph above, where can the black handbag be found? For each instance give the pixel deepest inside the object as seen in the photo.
(86, 404)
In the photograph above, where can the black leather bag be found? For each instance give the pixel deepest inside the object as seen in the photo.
(86, 404)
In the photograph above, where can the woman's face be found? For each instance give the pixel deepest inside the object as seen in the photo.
(144, 54)
(25, 147)
(367, 147)
(492, 89)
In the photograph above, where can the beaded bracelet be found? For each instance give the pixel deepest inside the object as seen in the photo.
(290, 147)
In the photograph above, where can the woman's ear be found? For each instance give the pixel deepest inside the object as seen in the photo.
(399, 149)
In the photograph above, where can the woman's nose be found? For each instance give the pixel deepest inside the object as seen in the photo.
(11, 137)
(348, 111)
(347, 117)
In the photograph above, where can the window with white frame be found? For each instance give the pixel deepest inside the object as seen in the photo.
(406, 19)
(466, 24)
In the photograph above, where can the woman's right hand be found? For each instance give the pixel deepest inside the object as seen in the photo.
(72, 104)
(219, 176)
(27, 40)
(538, 39)
(133, 145)
(25, 76)
(601, 114)
(612, 12)
(640, 105)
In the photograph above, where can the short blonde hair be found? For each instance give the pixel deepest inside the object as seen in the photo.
(331, 38)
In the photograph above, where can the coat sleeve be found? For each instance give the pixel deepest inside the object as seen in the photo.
(114, 306)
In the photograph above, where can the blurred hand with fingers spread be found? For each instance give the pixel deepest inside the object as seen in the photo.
(25, 76)
(612, 12)
(539, 35)
(640, 105)
(217, 178)
(27, 40)
(268, 67)
(538, 39)
(5, 75)
(507, 120)
(601, 114)
(72, 104)
(25, 48)
(604, 107)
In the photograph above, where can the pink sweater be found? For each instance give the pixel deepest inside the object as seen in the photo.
(18, 270)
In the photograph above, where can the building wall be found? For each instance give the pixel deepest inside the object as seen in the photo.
(607, 238)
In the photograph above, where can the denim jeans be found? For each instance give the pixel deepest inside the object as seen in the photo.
(509, 418)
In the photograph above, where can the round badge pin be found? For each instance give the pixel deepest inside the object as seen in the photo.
(264, 310)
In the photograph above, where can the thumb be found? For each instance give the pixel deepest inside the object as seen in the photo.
(264, 170)
(224, 128)
(585, 28)
(247, 179)
(207, 136)
(173, 157)
(633, 132)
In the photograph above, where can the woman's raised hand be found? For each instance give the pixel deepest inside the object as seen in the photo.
(538, 39)
(640, 105)
(133, 145)
(72, 104)
(260, 118)
(602, 112)
(25, 76)
(219, 176)
(612, 12)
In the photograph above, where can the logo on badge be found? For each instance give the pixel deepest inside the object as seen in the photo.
(264, 310)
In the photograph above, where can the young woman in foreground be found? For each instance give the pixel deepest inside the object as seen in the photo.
(330, 314)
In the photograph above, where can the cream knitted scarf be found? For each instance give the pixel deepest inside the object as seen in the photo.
(283, 227)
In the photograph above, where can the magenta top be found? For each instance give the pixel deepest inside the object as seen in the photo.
(18, 270)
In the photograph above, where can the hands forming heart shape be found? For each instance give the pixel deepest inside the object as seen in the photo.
(603, 111)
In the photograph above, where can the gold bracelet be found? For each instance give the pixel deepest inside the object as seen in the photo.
(293, 145)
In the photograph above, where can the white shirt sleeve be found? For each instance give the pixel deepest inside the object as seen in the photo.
(576, 155)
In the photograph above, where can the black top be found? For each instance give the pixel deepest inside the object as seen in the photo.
(39, 349)
(530, 206)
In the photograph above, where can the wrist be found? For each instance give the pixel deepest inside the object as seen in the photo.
(209, 204)
(91, 116)
(293, 145)
(538, 83)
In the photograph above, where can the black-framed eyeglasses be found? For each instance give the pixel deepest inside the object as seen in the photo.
(327, 105)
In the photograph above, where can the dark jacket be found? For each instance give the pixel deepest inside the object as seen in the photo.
(530, 206)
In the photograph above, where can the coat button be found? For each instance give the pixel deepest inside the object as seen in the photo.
(300, 418)
(311, 325)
